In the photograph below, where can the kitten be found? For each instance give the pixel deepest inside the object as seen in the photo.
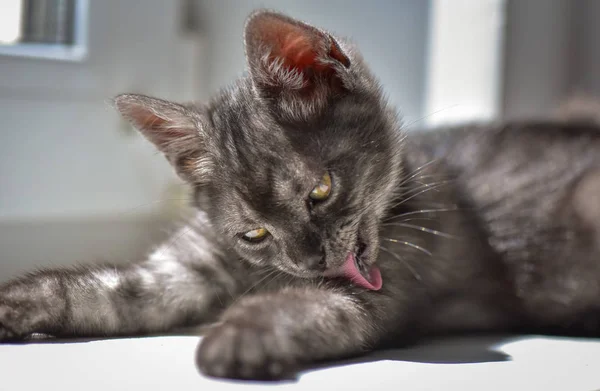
(323, 231)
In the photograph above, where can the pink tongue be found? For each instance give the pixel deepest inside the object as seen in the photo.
(349, 271)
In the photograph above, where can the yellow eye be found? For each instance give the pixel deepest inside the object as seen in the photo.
(256, 235)
(323, 189)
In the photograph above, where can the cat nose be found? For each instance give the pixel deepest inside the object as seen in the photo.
(315, 262)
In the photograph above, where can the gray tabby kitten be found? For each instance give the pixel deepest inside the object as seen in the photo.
(323, 231)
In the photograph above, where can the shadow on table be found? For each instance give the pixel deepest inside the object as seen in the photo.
(452, 350)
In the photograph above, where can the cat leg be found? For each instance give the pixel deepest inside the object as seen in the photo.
(268, 336)
(157, 295)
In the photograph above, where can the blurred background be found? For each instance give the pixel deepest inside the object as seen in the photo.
(78, 184)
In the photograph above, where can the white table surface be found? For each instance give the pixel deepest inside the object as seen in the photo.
(167, 363)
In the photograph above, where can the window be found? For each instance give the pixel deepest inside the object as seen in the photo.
(51, 29)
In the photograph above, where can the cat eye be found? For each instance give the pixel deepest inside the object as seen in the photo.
(322, 190)
(256, 235)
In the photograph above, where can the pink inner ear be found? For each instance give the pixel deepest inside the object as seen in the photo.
(297, 51)
(299, 45)
(146, 119)
(156, 128)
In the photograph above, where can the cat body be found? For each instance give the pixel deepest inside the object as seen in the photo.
(322, 230)
(529, 196)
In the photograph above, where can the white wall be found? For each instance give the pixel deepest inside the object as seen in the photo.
(391, 34)
(586, 69)
(63, 150)
(537, 59)
(464, 61)
(76, 184)
(552, 51)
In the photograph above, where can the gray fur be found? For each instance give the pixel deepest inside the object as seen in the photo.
(474, 228)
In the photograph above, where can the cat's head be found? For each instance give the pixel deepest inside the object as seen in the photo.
(294, 164)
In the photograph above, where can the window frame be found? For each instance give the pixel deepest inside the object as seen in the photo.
(75, 52)
(457, 53)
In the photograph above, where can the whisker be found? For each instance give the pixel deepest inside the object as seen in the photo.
(416, 247)
(437, 186)
(216, 292)
(269, 274)
(416, 172)
(421, 211)
(431, 115)
(424, 229)
(439, 176)
(274, 277)
(415, 189)
(422, 180)
(408, 266)
(229, 292)
(183, 232)
(417, 219)
(422, 186)
(422, 177)
(428, 204)
(425, 184)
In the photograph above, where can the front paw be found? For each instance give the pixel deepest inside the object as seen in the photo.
(245, 350)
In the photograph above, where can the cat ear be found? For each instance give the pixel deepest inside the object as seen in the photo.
(173, 129)
(291, 60)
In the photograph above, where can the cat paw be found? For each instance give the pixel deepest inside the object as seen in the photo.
(245, 351)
